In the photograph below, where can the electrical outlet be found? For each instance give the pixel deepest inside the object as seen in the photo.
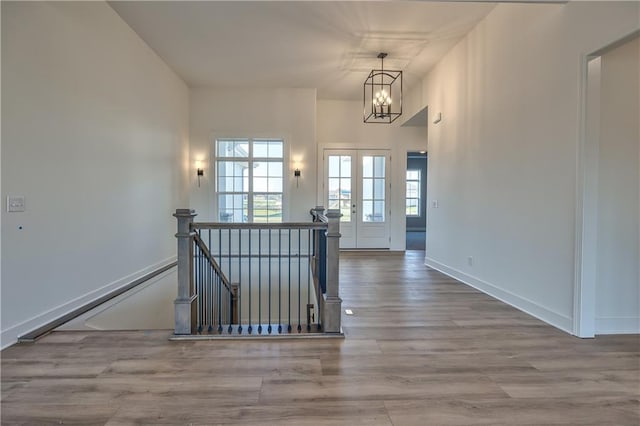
(470, 261)
(434, 204)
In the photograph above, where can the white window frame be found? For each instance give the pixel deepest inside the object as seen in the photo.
(250, 160)
(418, 198)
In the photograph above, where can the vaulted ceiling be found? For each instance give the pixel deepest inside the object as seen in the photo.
(330, 46)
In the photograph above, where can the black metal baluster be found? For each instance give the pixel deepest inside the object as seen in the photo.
(198, 276)
(210, 286)
(207, 285)
(205, 282)
(219, 281)
(259, 281)
(239, 281)
(249, 329)
(309, 234)
(269, 328)
(230, 283)
(289, 279)
(279, 280)
(299, 245)
(203, 286)
(202, 295)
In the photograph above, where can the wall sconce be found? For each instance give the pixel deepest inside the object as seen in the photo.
(199, 171)
(296, 162)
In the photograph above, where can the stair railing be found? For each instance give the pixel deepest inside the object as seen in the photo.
(258, 278)
(217, 298)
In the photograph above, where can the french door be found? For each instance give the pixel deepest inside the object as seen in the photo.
(357, 182)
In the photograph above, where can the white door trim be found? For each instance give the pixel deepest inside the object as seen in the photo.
(354, 235)
(584, 324)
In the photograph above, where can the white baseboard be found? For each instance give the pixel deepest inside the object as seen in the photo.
(555, 319)
(10, 335)
(618, 325)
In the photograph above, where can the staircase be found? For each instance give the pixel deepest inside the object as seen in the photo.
(258, 280)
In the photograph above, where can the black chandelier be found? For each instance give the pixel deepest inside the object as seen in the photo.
(382, 95)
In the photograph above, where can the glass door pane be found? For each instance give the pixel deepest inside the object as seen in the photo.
(373, 184)
(339, 195)
(372, 224)
(357, 183)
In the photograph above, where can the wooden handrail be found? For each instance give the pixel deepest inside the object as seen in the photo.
(253, 225)
(318, 215)
(207, 254)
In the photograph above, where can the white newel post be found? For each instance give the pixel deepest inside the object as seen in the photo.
(185, 315)
(332, 301)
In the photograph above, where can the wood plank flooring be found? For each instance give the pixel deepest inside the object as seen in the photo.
(420, 349)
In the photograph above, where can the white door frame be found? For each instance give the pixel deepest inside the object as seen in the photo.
(587, 204)
(356, 176)
(371, 234)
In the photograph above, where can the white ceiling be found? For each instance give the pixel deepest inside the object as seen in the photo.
(330, 46)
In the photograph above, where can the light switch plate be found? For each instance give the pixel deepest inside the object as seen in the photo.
(15, 204)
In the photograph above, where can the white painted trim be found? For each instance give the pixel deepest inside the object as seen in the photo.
(585, 254)
(288, 181)
(555, 319)
(585, 248)
(618, 325)
(355, 153)
(10, 335)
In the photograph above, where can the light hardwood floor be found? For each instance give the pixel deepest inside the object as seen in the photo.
(420, 349)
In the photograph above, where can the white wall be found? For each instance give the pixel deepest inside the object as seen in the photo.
(502, 163)
(618, 278)
(95, 136)
(148, 306)
(340, 125)
(286, 113)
